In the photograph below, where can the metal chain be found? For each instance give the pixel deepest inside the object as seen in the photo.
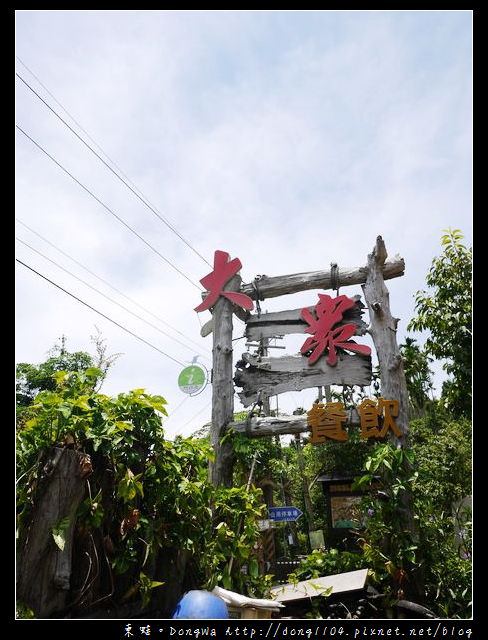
(249, 416)
(334, 277)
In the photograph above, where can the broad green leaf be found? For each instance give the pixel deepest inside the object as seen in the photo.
(65, 409)
(58, 533)
(93, 372)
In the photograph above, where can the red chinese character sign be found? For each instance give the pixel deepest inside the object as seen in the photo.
(325, 335)
(214, 282)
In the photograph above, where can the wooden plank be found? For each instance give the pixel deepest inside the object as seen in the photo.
(277, 426)
(273, 376)
(271, 287)
(340, 583)
(283, 323)
(299, 364)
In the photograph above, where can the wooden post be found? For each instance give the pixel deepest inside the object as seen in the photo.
(383, 328)
(264, 349)
(220, 471)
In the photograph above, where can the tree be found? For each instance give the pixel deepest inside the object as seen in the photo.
(31, 378)
(417, 373)
(445, 312)
(109, 510)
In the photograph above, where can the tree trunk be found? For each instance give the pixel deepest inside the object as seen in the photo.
(43, 568)
(383, 329)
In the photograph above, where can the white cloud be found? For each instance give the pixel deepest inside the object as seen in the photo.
(290, 139)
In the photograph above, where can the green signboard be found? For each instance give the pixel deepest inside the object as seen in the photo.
(192, 379)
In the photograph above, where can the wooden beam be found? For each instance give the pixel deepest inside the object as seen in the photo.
(271, 287)
(278, 426)
(272, 376)
(281, 323)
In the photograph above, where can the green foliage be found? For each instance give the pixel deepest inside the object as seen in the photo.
(32, 379)
(388, 543)
(327, 562)
(59, 532)
(146, 496)
(445, 312)
(23, 612)
(341, 458)
(428, 480)
(269, 463)
(146, 585)
(417, 373)
(447, 572)
(444, 459)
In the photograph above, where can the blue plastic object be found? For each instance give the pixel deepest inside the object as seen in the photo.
(201, 604)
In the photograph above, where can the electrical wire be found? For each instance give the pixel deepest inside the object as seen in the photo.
(79, 125)
(105, 296)
(107, 208)
(100, 313)
(177, 407)
(121, 293)
(197, 414)
(144, 201)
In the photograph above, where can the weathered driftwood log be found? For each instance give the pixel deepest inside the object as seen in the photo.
(43, 568)
(278, 426)
(283, 323)
(383, 329)
(272, 376)
(271, 287)
(222, 388)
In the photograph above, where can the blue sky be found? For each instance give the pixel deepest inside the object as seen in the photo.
(290, 139)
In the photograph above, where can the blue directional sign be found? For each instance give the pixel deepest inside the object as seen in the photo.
(284, 514)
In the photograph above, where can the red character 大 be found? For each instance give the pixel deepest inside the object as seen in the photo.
(214, 282)
(329, 312)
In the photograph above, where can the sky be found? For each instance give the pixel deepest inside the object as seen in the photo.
(289, 139)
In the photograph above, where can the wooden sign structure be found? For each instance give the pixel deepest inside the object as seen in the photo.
(260, 377)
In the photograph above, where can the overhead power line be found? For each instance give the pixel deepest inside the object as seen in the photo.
(107, 208)
(100, 313)
(121, 293)
(197, 414)
(70, 115)
(192, 349)
(144, 200)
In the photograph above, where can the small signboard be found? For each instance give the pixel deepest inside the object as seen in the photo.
(284, 514)
(192, 379)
